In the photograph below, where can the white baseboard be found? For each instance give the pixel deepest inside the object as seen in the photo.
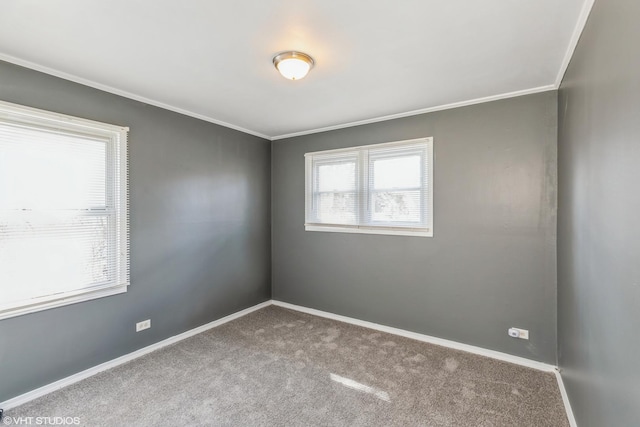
(445, 343)
(424, 338)
(565, 399)
(39, 392)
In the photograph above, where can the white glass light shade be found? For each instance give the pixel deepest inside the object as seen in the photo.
(293, 65)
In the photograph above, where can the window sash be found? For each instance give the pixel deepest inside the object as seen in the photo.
(391, 153)
(341, 159)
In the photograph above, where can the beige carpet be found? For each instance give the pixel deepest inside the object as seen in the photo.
(277, 367)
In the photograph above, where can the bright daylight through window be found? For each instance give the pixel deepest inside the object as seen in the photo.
(63, 210)
(376, 189)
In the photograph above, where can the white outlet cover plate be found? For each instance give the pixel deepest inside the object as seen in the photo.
(519, 333)
(141, 326)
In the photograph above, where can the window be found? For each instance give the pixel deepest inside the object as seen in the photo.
(376, 189)
(63, 210)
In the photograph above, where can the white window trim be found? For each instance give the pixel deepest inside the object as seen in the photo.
(46, 303)
(370, 229)
(118, 134)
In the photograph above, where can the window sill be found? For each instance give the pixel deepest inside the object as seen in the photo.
(61, 300)
(370, 230)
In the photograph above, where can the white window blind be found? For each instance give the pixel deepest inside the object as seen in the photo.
(63, 210)
(335, 189)
(383, 189)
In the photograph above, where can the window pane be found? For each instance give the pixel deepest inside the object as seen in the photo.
(339, 176)
(396, 206)
(397, 172)
(45, 253)
(41, 170)
(336, 208)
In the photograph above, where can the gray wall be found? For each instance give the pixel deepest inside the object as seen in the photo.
(599, 211)
(492, 262)
(200, 235)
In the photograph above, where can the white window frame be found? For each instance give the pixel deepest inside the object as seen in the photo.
(361, 154)
(117, 149)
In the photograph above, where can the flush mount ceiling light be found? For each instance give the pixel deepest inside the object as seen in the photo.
(293, 65)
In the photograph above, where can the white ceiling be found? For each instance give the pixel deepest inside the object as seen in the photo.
(374, 58)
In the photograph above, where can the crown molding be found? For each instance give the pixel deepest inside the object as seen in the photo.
(421, 111)
(577, 32)
(575, 38)
(125, 94)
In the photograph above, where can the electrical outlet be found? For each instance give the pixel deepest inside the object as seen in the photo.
(523, 334)
(141, 326)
